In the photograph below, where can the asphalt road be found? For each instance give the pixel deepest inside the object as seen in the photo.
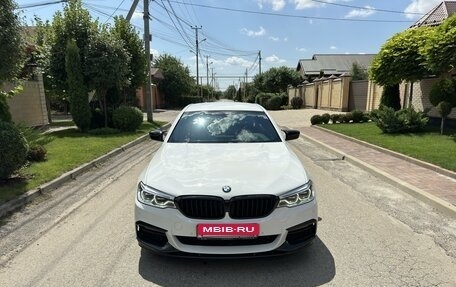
(371, 234)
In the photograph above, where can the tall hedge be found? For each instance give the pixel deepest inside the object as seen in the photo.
(79, 99)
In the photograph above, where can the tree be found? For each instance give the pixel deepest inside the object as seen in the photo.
(358, 73)
(443, 97)
(177, 80)
(400, 59)
(276, 80)
(77, 92)
(230, 92)
(107, 64)
(440, 50)
(137, 75)
(11, 44)
(75, 23)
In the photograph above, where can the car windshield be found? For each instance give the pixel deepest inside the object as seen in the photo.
(224, 127)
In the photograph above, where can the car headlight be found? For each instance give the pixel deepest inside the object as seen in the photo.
(298, 196)
(153, 197)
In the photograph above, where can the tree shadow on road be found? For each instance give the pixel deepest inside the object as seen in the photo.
(313, 266)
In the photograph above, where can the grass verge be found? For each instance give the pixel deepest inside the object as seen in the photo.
(67, 149)
(429, 146)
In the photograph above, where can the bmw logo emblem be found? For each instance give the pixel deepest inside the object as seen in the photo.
(226, 189)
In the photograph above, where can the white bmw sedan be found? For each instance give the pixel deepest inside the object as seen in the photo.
(224, 183)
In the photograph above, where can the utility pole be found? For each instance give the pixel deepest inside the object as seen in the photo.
(147, 39)
(197, 55)
(259, 60)
(207, 71)
(245, 89)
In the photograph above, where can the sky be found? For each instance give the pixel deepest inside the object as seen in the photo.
(231, 34)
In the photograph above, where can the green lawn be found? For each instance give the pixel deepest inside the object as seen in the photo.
(67, 149)
(427, 146)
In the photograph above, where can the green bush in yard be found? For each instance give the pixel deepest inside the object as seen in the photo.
(347, 118)
(357, 116)
(296, 102)
(262, 98)
(316, 120)
(127, 118)
(402, 121)
(335, 118)
(325, 118)
(13, 149)
(37, 153)
(274, 103)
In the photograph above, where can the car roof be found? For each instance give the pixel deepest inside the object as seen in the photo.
(223, 106)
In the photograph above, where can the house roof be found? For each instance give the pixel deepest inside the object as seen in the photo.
(156, 73)
(333, 63)
(437, 15)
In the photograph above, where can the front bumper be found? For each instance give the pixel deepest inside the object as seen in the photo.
(169, 232)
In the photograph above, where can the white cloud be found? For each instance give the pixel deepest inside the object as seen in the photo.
(137, 15)
(277, 5)
(285, 39)
(252, 33)
(305, 4)
(301, 49)
(360, 12)
(275, 39)
(420, 6)
(238, 61)
(333, 48)
(274, 59)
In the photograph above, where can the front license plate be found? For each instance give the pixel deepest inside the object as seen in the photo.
(247, 230)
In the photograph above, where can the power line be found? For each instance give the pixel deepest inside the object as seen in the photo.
(291, 15)
(114, 11)
(33, 5)
(366, 8)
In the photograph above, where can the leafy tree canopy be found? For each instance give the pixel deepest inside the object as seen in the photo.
(177, 80)
(400, 59)
(124, 31)
(230, 92)
(276, 80)
(75, 23)
(358, 72)
(11, 44)
(440, 50)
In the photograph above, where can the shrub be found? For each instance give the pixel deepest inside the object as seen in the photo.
(127, 118)
(357, 116)
(403, 121)
(347, 118)
(37, 153)
(444, 90)
(13, 149)
(316, 120)
(335, 118)
(262, 98)
(325, 118)
(274, 103)
(366, 117)
(5, 114)
(285, 99)
(296, 102)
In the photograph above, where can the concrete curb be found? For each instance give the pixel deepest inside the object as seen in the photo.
(25, 198)
(421, 163)
(437, 203)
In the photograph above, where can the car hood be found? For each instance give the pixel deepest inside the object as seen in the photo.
(203, 169)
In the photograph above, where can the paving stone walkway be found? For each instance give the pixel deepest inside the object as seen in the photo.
(425, 179)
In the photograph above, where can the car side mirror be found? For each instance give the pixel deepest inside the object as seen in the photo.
(291, 134)
(157, 135)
